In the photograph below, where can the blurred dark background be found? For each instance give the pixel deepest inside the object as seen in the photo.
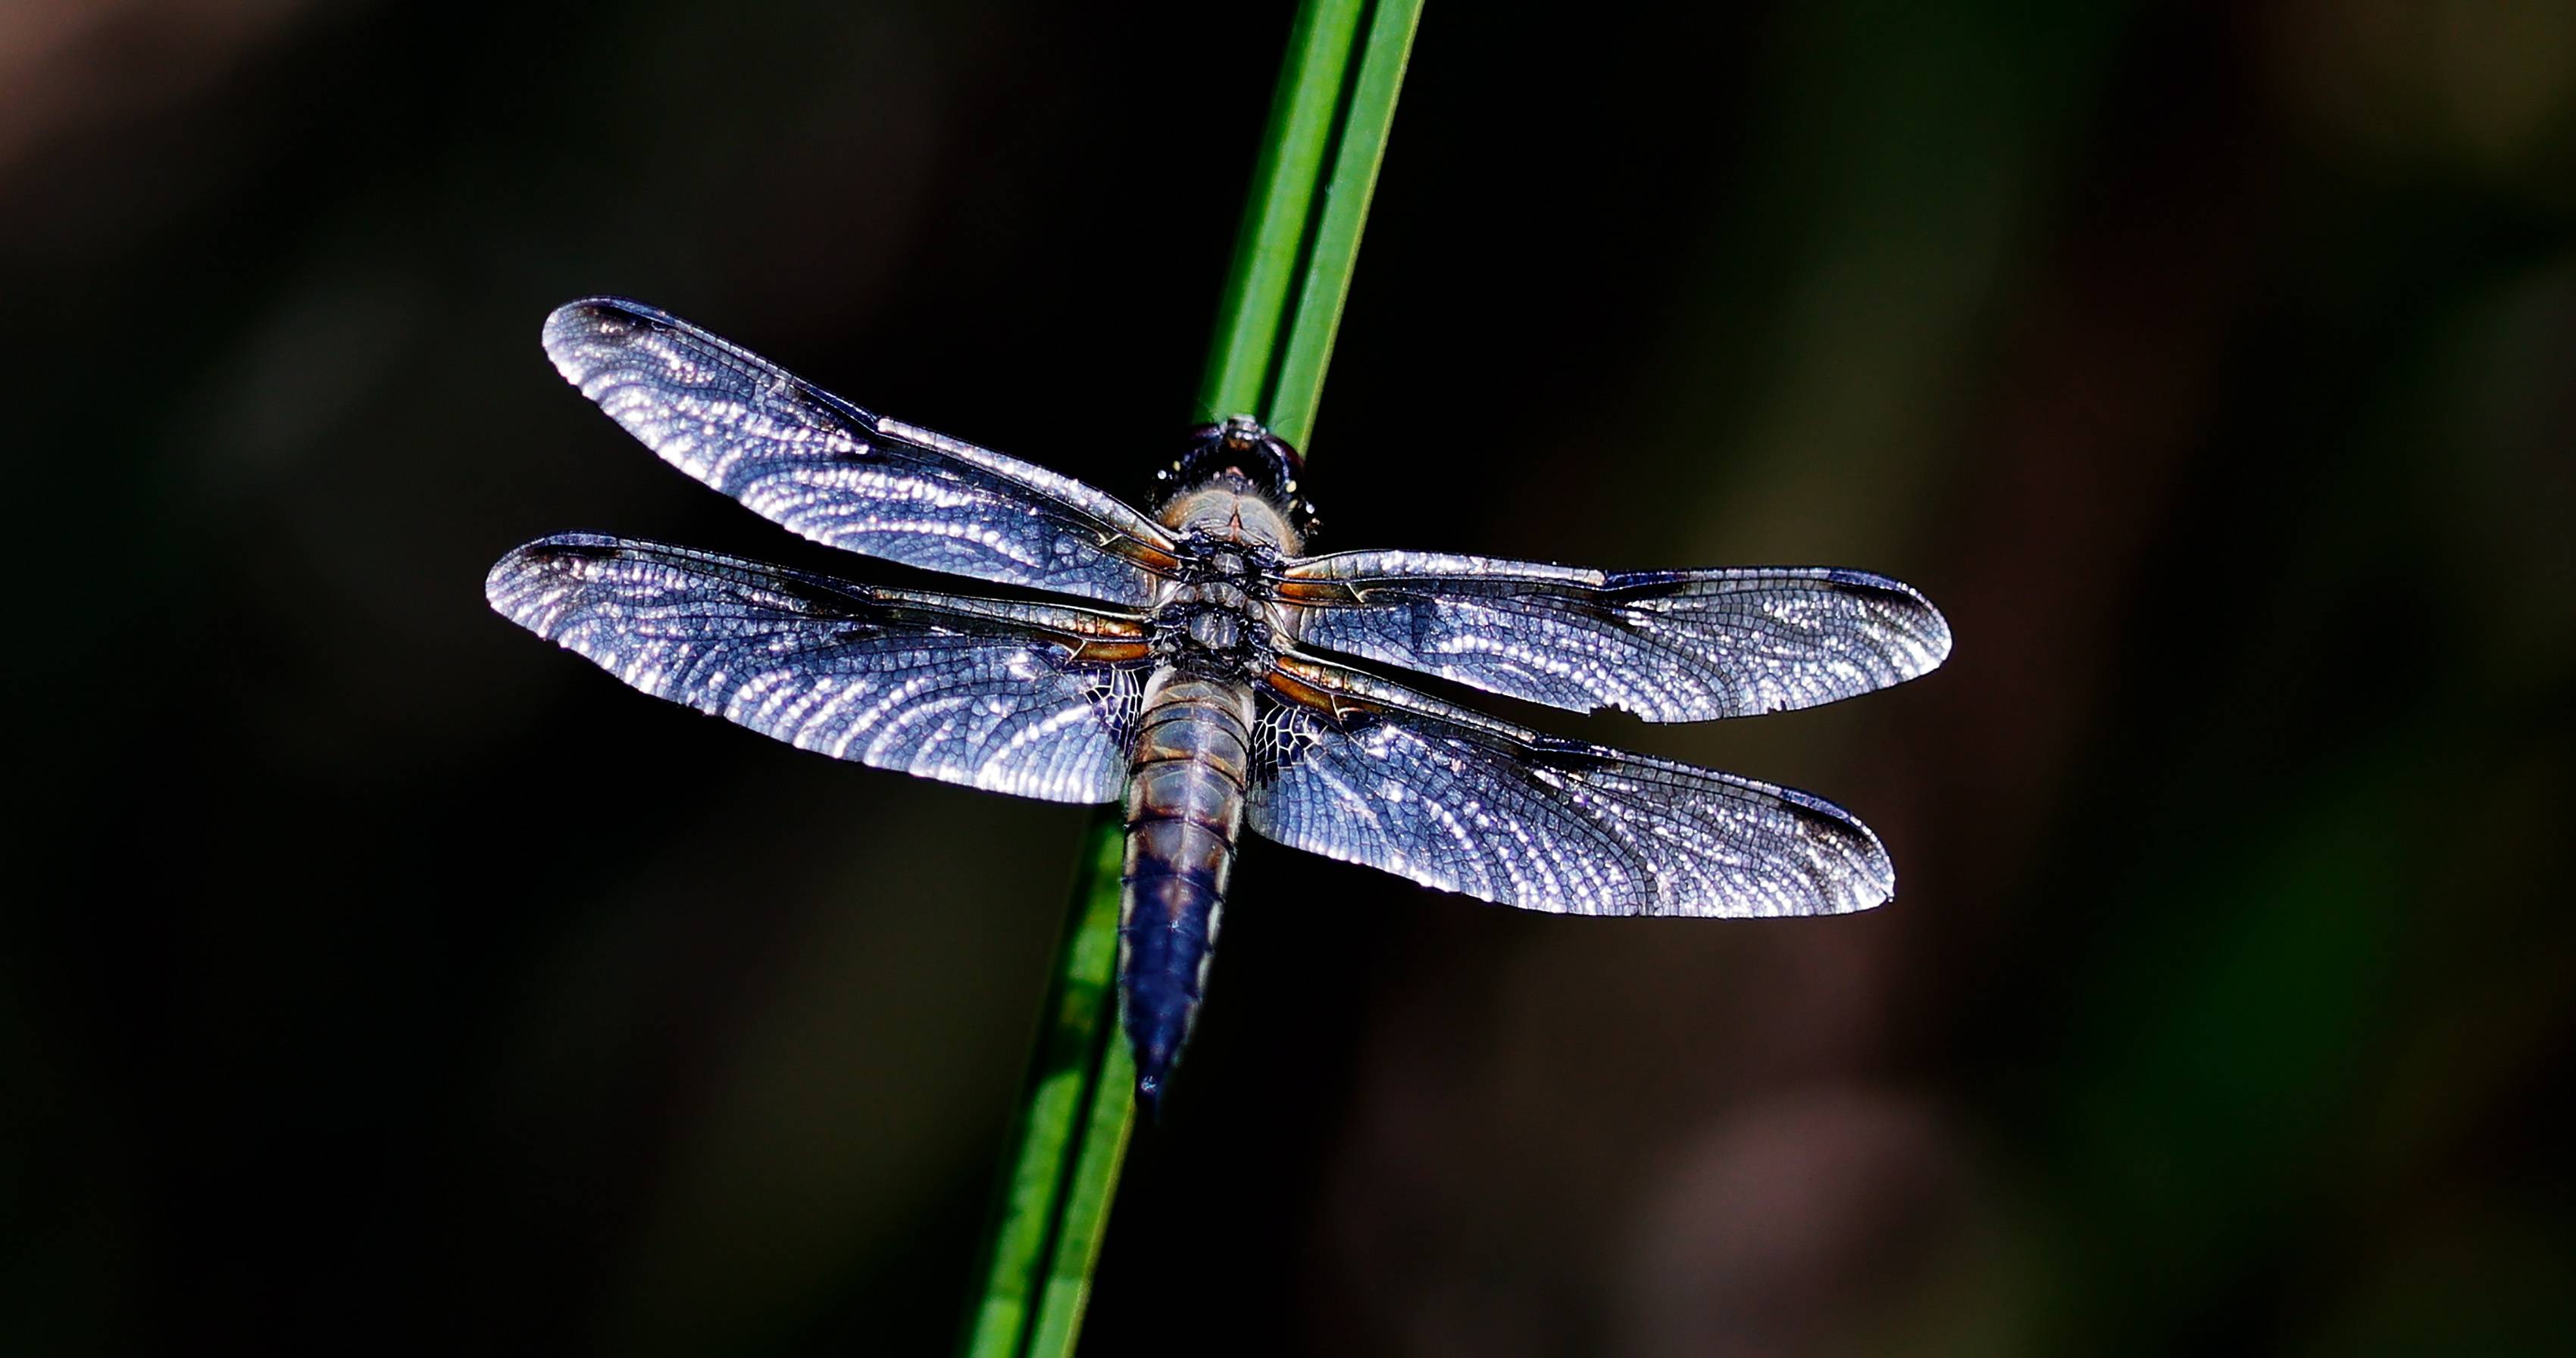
(382, 978)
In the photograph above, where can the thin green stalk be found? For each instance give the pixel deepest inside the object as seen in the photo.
(1077, 1024)
(1278, 214)
(1282, 304)
(1299, 386)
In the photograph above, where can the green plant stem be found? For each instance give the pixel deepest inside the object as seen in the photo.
(1049, 1136)
(1282, 305)
(1299, 386)
(1280, 209)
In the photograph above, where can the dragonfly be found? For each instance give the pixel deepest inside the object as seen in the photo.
(1196, 662)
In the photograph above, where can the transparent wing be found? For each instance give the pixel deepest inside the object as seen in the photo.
(1666, 645)
(1028, 699)
(1365, 771)
(816, 464)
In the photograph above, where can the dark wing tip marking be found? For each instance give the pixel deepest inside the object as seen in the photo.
(549, 554)
(516, 586)
(593, 336)
(593, 320)
(1930, 629)
(575, 332)
(1860, 846)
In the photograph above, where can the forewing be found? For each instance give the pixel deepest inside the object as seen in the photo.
(1369, 772)
(1029, 699)
(816, 464)
(1667, 645)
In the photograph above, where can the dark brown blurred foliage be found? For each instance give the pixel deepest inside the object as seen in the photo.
(381, 978)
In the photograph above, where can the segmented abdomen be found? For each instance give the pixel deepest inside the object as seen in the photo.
(1184, 815)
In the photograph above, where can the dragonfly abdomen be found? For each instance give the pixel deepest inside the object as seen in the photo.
(1184, 816)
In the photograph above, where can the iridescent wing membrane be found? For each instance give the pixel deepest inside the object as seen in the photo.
(1040, 700)
(1366, 771)
(823, 468)
(1665, 645)
(1030, 699)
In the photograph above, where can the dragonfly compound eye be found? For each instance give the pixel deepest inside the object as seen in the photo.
(1239, 444)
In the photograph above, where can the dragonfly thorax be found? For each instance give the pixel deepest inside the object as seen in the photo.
(1215, 618)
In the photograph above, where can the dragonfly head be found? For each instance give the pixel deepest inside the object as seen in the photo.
(1239, 455)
